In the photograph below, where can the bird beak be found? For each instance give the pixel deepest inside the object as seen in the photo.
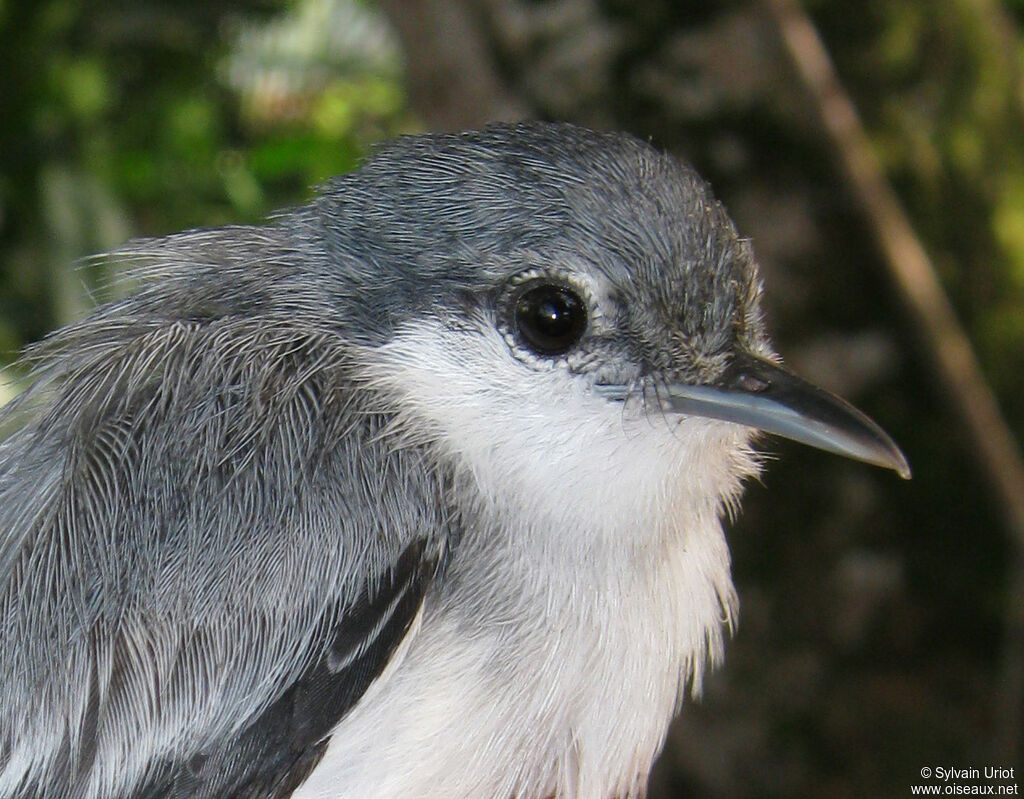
(760, 394)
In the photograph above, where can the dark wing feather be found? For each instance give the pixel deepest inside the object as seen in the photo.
(207, 532)
(271, 758)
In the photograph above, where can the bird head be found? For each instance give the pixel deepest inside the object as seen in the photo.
(557, 275)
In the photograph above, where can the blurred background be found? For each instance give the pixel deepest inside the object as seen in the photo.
(882, 622)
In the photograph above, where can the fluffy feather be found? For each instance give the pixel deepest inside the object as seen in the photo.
(209, 488)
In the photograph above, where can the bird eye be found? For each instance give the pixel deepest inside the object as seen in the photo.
(550, 319)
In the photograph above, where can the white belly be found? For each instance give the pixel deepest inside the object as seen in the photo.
(576, 706)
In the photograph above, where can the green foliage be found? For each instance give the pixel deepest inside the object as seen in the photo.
(940, 87)
(146, 118)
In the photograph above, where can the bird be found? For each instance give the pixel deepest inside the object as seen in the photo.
(416, 490)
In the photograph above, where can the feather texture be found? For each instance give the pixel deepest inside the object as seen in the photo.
(178, 555)
(301, 515)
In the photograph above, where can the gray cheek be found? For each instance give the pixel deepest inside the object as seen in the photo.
(604, 362)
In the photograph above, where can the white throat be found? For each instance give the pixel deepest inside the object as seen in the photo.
(599, 588)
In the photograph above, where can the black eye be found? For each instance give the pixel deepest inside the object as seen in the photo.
(550, 319)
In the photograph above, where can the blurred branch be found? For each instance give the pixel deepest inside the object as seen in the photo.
(945, 341)
(453, 81)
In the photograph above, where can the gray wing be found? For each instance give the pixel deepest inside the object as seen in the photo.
(210, 543)
(277, 751)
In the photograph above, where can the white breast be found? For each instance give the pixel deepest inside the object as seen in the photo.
(590, 588)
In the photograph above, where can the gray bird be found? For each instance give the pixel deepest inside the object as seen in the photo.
(413, 492)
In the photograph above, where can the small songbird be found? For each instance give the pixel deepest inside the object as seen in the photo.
(414, 492)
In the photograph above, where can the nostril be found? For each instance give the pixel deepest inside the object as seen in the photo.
(752, 383)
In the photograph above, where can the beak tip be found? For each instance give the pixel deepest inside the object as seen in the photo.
(902, 467)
